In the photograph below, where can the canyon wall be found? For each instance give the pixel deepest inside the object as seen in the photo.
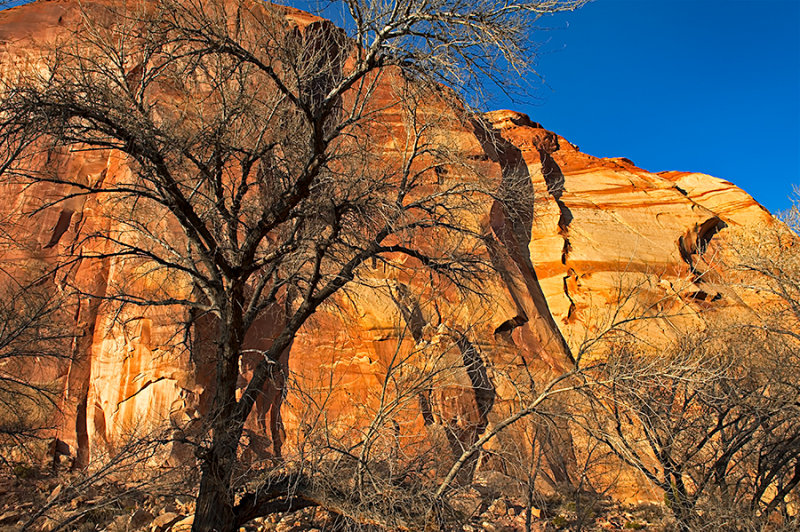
(575, 233)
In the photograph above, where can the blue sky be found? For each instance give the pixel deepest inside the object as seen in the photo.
(709, 86)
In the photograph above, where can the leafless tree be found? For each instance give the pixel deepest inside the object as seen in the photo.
(34, 348)
(254, 180)
(791, 216)
(710, 416)
(709, 425)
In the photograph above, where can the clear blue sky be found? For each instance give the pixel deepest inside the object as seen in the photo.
(709, 86)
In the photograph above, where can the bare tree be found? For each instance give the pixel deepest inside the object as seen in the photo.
(33, 344)
(710, 416)
(254, 182)
(34, 348)
(791, 216)
(713, 427)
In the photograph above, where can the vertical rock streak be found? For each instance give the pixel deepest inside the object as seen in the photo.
(511, 225)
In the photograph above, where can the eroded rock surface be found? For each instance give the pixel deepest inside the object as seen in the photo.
(574, 232)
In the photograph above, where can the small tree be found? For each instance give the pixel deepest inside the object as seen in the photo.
(254, 182)
(35, 339)
(34, 346)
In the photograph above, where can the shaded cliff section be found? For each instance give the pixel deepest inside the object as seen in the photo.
(46, 243)
(467, 418)
(511, 221)
(533, 332)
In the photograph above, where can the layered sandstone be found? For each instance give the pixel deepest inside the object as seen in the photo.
(575, 233)
(599, 220)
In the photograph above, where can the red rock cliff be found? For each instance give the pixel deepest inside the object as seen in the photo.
(561, 253)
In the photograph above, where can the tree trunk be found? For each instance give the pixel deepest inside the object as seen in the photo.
(214, 510)
(215, 500)
(680, 502)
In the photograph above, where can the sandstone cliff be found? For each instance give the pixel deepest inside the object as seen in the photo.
(576, 232)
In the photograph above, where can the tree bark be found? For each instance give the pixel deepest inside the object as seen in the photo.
(214, 511)
(215, 500)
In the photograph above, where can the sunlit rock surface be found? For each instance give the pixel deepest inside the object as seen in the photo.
(577, 232)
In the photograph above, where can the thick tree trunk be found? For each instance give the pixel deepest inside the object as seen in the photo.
(214, 510)
(215, 500)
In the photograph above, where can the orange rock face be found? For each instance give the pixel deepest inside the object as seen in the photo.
(597, 220)
(574, 231)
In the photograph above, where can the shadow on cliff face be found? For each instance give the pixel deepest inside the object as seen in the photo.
(554, 178)
(482, 395)
(533, 331)
(696, 241)
(512, 218)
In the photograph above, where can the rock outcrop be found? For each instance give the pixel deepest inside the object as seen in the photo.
(574, 233)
